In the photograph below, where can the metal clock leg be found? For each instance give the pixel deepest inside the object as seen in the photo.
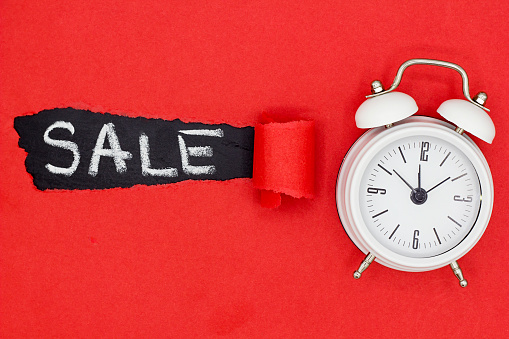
(458, 273)
(365, 264)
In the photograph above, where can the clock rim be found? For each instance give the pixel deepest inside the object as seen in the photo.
(350, 173)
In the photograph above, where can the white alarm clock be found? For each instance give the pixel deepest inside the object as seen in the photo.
(415, 193)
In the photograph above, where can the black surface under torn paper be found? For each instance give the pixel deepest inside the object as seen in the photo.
(232, 153)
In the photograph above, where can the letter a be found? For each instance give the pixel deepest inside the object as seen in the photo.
(119, 156)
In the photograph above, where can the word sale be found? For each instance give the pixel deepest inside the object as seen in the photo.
(119, 156)
(77, 149)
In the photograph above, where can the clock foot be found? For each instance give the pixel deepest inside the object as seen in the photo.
(365, 264)
(458, 273)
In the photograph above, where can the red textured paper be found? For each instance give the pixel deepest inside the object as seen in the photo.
(203, 259)
(270, 199)
(283, 161)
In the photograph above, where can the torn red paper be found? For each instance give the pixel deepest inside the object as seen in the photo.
(284, 160)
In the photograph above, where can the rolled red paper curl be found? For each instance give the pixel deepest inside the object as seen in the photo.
(284, 160)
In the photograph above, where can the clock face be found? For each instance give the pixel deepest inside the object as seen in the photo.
(420, 196)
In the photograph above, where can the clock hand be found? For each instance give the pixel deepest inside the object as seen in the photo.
(440, 183)
(413, 189)
(419, 178)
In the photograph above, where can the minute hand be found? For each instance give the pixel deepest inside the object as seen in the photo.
(440, 183)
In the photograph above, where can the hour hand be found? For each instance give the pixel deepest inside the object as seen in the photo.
(406, 182)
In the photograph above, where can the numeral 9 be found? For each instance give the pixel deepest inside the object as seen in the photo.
(374, 190)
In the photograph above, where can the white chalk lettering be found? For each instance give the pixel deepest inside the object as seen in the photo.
(201, 151)
(145, 161)
(119, 156)
(68, 145)
(205, 132)
(197, 151)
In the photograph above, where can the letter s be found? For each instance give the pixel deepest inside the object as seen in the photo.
(64, 144)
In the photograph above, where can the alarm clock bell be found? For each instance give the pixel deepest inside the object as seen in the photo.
(385, 107)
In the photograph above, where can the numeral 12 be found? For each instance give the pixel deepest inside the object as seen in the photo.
(424, 150)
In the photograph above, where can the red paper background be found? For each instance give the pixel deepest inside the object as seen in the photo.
(203, 259)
